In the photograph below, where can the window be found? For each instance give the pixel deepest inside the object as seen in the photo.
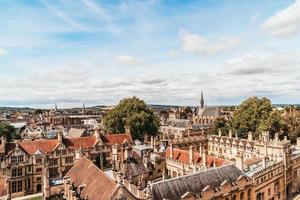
(28, 184)
(69, 159)
(249, 194)
(13, 159)
(16, 186)
(38, 179)
(269, 191)
(295, 174)
(14, 173)
(16, 159)
(20, 172)
(53, 162)
(38, 160)
(17, 172)
(20, 184)
(242, 196)
(20, 158)
(38, 170)
(53, 172)
(29, 168)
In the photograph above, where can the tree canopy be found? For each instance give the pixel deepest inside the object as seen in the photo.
(134, 113)
(9, 131)
(255, 115)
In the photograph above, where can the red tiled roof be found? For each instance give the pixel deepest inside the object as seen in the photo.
(44, 146)
(183, 156)
(118, 138)
(3, 187)
(77, 142)
(97, 184)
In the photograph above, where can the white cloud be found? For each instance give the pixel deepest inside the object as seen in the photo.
(264, 64)
(285, 22)
(128, 60)
(3, 52)
(193, 43)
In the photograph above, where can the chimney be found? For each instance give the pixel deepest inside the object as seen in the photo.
(200, 149)
(239, 162)
(191, 154)
(127, 128)
(97, 133)
(59, 137)
(171, 151)
(152, 142)
(230, 133)
(265, 162)
(250, 136)
(219, 132)
(276, 137)
(298, 141)
(204, 157)
(266, 150)
(78, 153)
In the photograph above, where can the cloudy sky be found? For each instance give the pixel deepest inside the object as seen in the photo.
(73, 51)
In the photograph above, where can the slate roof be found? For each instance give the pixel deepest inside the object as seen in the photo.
(97, 184)
(209, 111)
(76, 132)
(175, 188)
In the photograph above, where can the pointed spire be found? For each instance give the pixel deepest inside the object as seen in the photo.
(202, 100)
(55, 108)
(83, 108)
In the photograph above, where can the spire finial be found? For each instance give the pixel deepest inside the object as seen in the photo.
(202, 100)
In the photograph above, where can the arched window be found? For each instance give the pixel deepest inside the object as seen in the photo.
(249, 194)
(234, 197)
(242, 196)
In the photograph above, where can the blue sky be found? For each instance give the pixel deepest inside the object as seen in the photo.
(166, 52)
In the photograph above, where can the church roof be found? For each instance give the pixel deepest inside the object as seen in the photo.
(209, 111)
(195, 183)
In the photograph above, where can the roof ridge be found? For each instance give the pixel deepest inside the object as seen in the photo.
(201, 172)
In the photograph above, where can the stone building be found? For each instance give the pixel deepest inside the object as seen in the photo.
(181, 162)
(39, 166)
(228, 147)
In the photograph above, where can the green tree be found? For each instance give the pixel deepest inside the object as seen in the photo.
(9, 131)
(220, 123)
(256, 114)
(135, 113)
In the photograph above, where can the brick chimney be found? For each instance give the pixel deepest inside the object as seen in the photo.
(171, 151)
(250, 136)
(239, 162)
(191, 154)
(230, 133)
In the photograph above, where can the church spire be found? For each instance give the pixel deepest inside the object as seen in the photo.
(202, 100)
(83, 108)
